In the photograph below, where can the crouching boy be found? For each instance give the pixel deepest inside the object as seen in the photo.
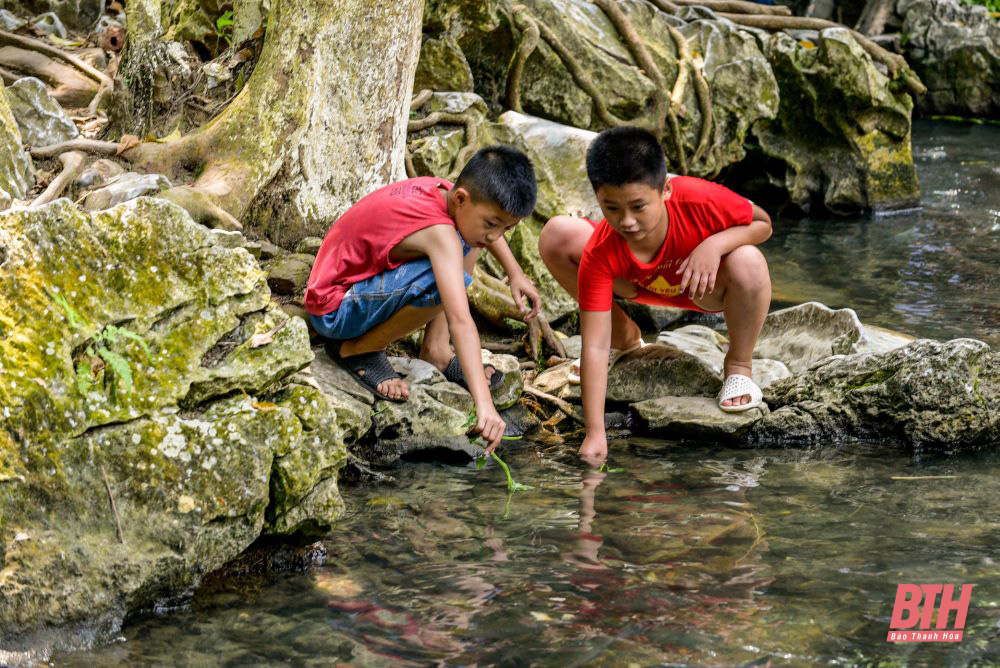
(402, 257)
(681, 242)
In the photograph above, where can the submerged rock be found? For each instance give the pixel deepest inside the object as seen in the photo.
(16, 172)
(927, 394)
(149, 432)
(41, 120)
(955, 48)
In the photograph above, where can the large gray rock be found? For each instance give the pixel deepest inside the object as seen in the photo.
(694, 417)
(842, 131)
(801, 336)
(16, 172)
(142, 362)
(955, 48)
(41, 120)
(925, 395)
(288, 274)
(711, 346)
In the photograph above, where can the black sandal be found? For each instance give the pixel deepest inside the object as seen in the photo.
(453, 372)
(375, 366)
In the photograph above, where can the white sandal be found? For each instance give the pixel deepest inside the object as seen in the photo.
(738, 385)
(614, 355)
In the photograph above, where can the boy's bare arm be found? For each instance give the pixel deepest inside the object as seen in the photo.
(700, 268)
(595, 331)
(441, 245)
(521, 286)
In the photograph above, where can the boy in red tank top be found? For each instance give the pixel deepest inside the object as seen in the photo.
(681, 242)
(402, 257)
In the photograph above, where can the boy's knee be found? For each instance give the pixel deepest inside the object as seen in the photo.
(558, 236)
(748, 265)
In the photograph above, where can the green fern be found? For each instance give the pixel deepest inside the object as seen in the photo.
(118, 364)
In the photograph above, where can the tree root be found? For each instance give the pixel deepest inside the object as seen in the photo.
(737, 7)
(421, 98)
(107, 84)
(561, 404)
(465, 119)
(79, 144)
(530, 35)
(72, 162)
(702, 91)
(202, 207)
(897, 64)
(550, 338)
(68, 86)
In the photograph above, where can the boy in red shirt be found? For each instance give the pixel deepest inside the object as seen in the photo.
(402, 257)
(681, 242)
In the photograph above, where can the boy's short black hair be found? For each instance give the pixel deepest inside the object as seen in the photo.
(626, 155)
(502, 175)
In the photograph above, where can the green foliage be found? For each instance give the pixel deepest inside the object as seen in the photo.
(991, 5)
(99, 348)
(224, 28)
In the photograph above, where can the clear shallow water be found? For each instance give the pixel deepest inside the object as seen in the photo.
(691, 555)
(932, 273)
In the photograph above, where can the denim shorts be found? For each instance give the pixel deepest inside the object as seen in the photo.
(374, 300)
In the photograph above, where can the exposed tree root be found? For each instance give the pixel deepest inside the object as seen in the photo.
(202, 207)
(421, 98)
(550, 338)
(106, 83)
(702, 91)
(530, 35)
(465, 119)
(72, 162)
(896, 63)
(561, 404)
(68, 86)
(79, 144)
(737, 7)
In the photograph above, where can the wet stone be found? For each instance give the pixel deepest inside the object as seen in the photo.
(40, 118)
(694, 417)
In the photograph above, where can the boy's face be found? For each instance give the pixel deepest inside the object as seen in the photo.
(480, 223)
(633, 210)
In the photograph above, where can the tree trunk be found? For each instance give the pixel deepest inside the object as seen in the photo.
(320, 123)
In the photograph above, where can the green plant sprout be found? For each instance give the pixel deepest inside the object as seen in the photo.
(512, 485)
(224, 28)
(99, 347)
(604, 469)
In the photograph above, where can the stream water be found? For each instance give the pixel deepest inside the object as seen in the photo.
(683, 553)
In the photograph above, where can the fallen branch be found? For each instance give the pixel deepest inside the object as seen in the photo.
(896, 63)
(114, 508)
(549, 336)
(79, 144)
(71, 161)
(561, 404)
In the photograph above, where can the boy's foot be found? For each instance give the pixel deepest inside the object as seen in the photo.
(373, 371)
(739, 393)
(453, 372)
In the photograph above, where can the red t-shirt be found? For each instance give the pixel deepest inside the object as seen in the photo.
(696, 210)
(357, 245)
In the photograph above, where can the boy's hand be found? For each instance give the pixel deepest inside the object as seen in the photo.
(594, 449)
(522, 288)
(490, 426)
(700, 269)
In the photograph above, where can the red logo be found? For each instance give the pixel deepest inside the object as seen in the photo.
(908, 613)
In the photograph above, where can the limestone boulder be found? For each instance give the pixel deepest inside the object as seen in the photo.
(842, 132)
(955, 48)
(442, 66)
(925, 395)
(710, 346)
(149, 429)
(510, 390)
(16, 172)
(801, 336)
(695, 418)
(41, 120)
(288, 274)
